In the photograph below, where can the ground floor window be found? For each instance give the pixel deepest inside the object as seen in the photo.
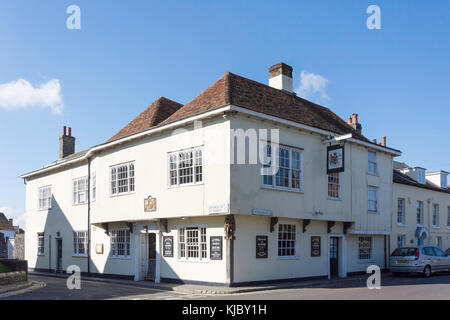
(365, 248)
(120, 243)
(80, 243)
(439, 242)
(286, 240)
(401, 241)
(41, 243)
(192, 243)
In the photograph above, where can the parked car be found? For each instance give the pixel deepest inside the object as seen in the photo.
(447, 252)
(424, 259)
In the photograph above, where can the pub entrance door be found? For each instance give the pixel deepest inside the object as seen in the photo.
(59, 255)
(334, 257)
(151, 272)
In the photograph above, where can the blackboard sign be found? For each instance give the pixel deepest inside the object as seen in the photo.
(168, 246)
(215, 248)
(315, 246)
(261, 247)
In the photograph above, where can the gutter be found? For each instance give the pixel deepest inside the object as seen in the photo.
(208, 114)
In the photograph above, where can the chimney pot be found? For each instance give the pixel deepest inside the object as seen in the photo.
(11, 222)
(64, 130)
(70, 132)
(384, 141)
(349, 120)
(355, 124)
(280, 77)
(355, 118)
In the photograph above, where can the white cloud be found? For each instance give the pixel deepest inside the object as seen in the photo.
(312, 87)
(21, 94)
(19, 218)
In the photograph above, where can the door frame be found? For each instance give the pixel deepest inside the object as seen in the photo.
(59, 240)
(342, 258)
(141, 271)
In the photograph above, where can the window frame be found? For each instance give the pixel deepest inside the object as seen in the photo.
(41, 236)
(435, 215)
(129, 178)
(372, 188)
(76, 249)
(46, 201)
(370, 258)
(372, 164)
(75, 198)
(401, 213)
(273, 177)
(126, 248)
(202, 246)
(295, 255)
(401, 243)
(419, 205)
(339, 197)
(194, 166)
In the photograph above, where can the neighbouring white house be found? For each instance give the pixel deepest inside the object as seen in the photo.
(11, 239)
(245, 183)
(421, 207)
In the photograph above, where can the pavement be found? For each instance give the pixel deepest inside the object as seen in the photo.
(19, 288)
(209, 290)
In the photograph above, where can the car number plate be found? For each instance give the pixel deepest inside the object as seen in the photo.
(401, 261)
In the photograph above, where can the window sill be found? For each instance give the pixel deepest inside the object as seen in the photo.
(288, 258)
(366, 261)
(46, 209)
(435, 227)
(41, 254)
(335, 199)
(401, 225)
(122, 194)
(79, 204)
(193, 260)
(373, 174)
(79, 255)
(186, 185)
(282, 189)
(372, 212)
(120, 258)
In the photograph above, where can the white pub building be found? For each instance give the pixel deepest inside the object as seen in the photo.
(178, 196)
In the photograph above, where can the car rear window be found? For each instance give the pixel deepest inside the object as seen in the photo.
(404, 252)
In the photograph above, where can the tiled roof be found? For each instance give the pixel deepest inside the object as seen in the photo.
(400, 165)
(157, 112)
(402, 178)
(235, 90)
(4, 223)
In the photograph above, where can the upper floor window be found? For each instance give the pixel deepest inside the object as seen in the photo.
(419, 207)
(421, 176)
(186, 167)
(288, 173)
(401, 211)
(365, 248)
(122, 178)
(40, 243)
(286, 240)
(120, 243)
(94, 186)
(334, 186)
(80, 243)
(45, 198)
(372, 203)
(192, 243)
(80, 191)
(439, 244)
(448, 217)
(435, 215)
(372, 163)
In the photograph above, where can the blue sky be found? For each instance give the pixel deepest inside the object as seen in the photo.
(128, 53)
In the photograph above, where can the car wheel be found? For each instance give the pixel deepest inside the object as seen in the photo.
(427, 272)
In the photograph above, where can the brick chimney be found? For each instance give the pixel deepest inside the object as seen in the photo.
(66, 143)
(355, 124)
(280, 77)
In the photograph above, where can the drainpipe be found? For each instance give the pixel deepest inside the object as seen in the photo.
(89, 219)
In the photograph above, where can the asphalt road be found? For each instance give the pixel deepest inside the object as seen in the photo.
(392, 288)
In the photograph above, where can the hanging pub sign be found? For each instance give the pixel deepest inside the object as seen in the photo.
(261, 247)
(315, 246)
(168, 246)
(215, 244)
(335, 159)
(149, 204)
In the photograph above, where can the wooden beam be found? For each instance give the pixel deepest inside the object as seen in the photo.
(330, 225)
(273, 222)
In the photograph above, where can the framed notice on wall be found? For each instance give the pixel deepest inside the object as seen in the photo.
(335, 159)
(261, 247)
(215, 248)
(168, 246)
(315, 246)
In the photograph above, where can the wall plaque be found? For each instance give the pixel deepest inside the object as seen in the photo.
(315, 246)
(335, 159)
(168, 246)
(215, 248)
(261, 247)
(149, 204)
(99, 248)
